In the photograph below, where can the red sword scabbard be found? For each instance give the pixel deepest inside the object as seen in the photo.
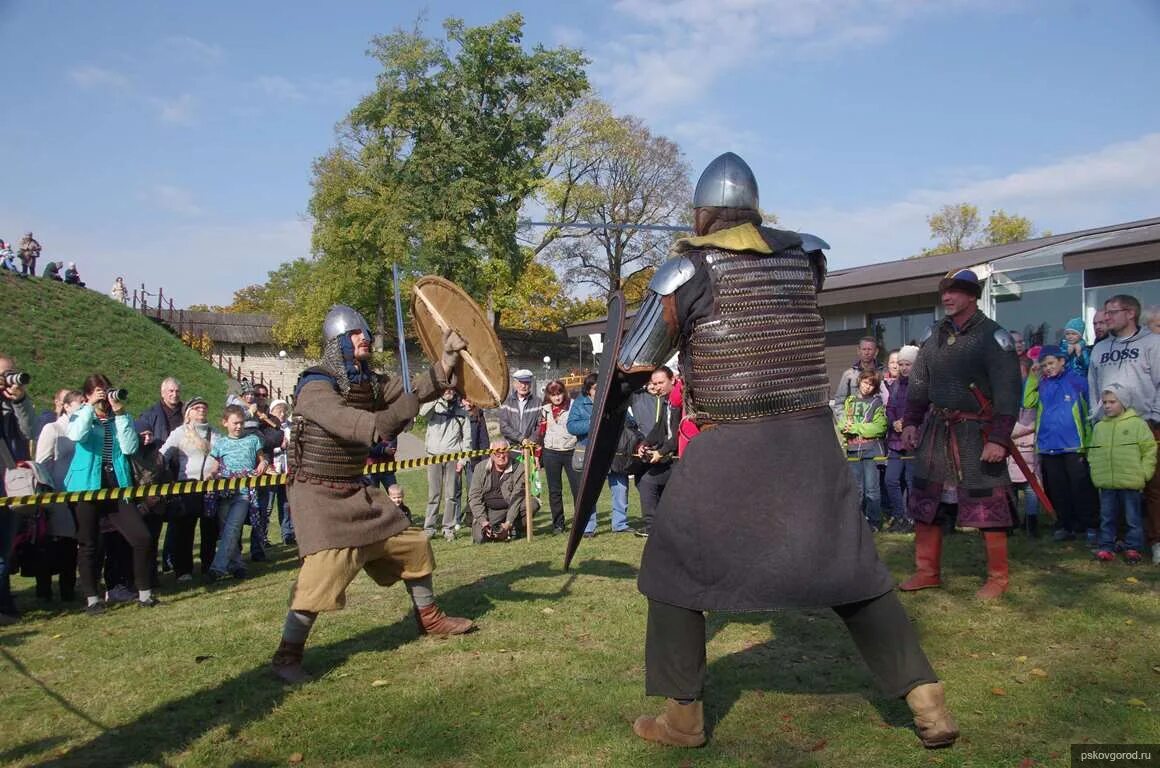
(1013, 452)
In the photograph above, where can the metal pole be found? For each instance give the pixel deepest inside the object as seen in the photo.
(403, 366)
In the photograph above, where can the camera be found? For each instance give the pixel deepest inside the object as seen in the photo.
(16, 379)
(118, 395)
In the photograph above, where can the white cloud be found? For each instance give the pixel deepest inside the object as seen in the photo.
(179, 110)
(174, 199)
(193, 49)
(89, 76)
(561, 34)
(674, 50)
(343, 90)
(279, 88)
(1114, 184)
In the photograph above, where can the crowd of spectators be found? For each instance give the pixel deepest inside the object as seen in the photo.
(89, 441)
(22, 259)
(1088, 431)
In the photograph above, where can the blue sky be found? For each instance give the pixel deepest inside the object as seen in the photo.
(172, 143)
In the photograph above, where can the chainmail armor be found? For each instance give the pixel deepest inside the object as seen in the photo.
(762, 351)
(315, 454)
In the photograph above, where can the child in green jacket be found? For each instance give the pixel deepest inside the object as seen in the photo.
(863, 427)
(1122, 458)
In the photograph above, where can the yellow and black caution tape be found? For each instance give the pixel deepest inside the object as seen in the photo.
(221, 484)
(879, 459)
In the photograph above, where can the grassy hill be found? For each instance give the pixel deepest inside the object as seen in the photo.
(60, 334)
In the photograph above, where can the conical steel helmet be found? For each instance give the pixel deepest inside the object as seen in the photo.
(727, 182)
(341, 320)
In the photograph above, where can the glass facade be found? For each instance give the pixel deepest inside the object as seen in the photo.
(898, 328)
(1037, 301)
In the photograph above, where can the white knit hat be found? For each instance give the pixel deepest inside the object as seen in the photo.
(908, 354)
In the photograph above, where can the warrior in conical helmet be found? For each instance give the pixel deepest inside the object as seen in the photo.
(739, 301)
(343, 524)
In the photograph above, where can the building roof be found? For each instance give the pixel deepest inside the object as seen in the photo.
(226, 327)
(922, 274)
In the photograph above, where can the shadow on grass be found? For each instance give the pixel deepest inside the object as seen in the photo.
(174, 725)
(21, 751)
(811, 653)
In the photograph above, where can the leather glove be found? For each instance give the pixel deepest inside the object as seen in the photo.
(453, 344)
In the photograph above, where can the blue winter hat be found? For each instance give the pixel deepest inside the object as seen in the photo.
(1075, 324)
(964, 280)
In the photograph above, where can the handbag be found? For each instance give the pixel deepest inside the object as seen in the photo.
(578, 455)
(21, 478)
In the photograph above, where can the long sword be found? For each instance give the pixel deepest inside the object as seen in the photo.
(405, 367)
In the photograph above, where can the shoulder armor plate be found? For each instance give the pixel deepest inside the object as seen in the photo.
(671, 275)
(926, 334)
(812, 242)
(1006, 343)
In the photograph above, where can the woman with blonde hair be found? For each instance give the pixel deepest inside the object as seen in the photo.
(190, 444)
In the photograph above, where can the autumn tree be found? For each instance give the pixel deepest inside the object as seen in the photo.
(958, 228)
(1003, 227)
(614, 173)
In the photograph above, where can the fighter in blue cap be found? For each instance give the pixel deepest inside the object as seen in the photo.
(965, 396)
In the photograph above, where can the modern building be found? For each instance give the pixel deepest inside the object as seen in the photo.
(1034, 286)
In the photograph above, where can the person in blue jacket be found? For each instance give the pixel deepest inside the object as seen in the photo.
(1059, 395)
(579, 421)
(105, 438)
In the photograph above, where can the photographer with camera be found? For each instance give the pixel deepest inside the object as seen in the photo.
(660, 424)
(17, 422)
(496, 496)
(105, 438)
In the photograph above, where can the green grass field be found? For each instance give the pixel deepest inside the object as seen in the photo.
(554, 676)
(60, 334)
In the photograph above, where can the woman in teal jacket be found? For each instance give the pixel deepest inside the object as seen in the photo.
(104, 437)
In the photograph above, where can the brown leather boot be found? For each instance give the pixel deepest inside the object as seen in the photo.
(997, 577)
(680, 725)
(927, 558)
(287, 663)
(936, 727)
(433, 621)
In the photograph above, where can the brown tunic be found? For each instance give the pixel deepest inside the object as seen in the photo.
(330, 514)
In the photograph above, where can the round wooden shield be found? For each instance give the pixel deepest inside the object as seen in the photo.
(438, 304)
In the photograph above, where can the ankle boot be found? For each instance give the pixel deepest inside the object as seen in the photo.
(680, 725)
(936, 727)
(433, 621)
(287, 663)
(927, 558)
(1032, 526)
(996, 544)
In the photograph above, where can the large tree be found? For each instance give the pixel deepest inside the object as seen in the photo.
(430, 170)
(614, 173)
